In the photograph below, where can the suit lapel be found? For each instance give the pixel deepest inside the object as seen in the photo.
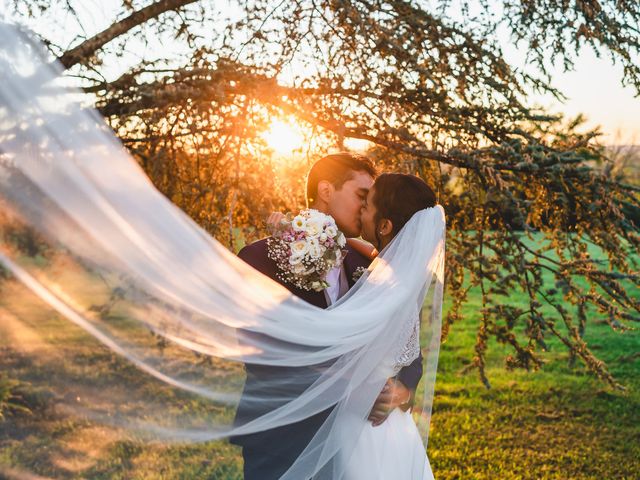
(352, 261)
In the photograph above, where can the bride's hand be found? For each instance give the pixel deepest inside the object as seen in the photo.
(394, 394)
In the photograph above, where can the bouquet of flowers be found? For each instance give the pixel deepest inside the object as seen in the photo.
(305, 248)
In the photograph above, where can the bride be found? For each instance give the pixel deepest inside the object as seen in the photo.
(110, 234)
(394, 448)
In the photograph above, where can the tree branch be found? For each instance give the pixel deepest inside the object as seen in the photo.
(89, 47)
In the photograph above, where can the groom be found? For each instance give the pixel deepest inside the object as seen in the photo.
(337, 185)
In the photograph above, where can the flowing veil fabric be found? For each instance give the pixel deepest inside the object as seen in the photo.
(129, 273)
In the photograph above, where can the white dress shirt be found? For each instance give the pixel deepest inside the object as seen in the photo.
(338, 285)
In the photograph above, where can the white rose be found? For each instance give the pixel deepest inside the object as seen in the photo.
(296, 260)
(299, 268)
(299, 223)
(331, 231)
(299, 248)
(315, 249)
(314, 226)
(342, 241)
(313, 213)
(323, 237)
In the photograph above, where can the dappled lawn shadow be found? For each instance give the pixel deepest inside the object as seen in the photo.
(61, 448)
(54, 442)
(557, 423)
(64, 371)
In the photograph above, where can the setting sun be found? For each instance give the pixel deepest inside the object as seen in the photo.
(284, 137)
(357, 144)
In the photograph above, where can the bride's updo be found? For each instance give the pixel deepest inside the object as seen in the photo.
(398, 196)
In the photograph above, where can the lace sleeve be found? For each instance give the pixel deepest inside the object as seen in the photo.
(411, 349)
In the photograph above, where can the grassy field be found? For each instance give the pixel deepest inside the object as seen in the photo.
(557, 423)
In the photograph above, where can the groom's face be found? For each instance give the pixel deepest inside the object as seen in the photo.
(344, 204)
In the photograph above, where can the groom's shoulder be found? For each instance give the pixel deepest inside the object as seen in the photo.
(256, 255)
(356, 259)
(258, 247)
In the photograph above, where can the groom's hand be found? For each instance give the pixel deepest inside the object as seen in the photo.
(274, 219)
(394, 394)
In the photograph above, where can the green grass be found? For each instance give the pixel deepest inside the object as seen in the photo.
(557, 423)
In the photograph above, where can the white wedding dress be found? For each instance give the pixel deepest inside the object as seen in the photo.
(394, 449)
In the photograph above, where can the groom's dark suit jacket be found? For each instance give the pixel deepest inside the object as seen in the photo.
(268, 454)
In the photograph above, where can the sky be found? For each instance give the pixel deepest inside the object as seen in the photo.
(595, 90)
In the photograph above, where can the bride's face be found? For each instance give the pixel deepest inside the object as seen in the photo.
(367, 217)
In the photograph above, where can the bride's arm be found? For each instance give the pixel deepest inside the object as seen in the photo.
(363, 248)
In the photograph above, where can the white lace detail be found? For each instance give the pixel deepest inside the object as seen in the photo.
(411, 349)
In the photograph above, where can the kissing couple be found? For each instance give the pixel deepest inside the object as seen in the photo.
(346, 187)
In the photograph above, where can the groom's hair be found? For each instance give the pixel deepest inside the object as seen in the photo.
(337, 169)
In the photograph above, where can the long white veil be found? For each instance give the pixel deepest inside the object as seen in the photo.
(131, 274)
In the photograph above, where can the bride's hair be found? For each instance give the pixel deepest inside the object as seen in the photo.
(337, 168)
(398, 196)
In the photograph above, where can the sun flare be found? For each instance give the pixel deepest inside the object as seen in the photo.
(284, 137)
